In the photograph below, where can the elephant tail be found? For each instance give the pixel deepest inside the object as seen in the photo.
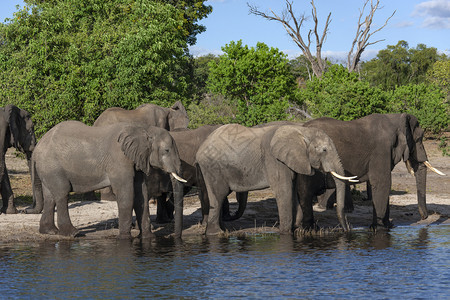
(241, 198)
(38, 197)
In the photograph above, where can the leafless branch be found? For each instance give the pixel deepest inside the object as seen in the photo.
(363, 34)
(293, 26)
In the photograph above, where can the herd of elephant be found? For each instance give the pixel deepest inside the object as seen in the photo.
(135, 155)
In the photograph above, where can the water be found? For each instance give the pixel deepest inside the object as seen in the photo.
(407, 262)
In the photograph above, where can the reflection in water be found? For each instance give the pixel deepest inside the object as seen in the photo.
(412, 262)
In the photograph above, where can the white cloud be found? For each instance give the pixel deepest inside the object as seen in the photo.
(436, 13)
(404, 24)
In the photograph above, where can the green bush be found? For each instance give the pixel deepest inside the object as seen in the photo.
(341, 95)
(256, 79)
(211, 111)
(426, 101)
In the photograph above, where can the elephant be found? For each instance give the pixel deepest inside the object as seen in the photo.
(74, 157)
(148, 114)
(16, 130)
(370, 147)
(188, 142)
(241, 159)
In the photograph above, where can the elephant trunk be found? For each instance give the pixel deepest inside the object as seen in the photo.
(178, 187)
(38, 197)
(340, 203)
(340, 194)
(421, 183)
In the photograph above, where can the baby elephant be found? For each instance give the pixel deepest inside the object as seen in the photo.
(74, 157)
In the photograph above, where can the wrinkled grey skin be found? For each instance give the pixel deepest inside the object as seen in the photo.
(188, 143)
(241, 159)
(16, 130)
(370, 147)
(148, 114)
(73, 157)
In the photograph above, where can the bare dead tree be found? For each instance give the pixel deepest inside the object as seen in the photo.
(293, 26)
(363, 34)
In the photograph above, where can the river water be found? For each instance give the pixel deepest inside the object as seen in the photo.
(406, 262)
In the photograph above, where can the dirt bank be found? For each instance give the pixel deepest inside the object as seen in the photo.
(99, 219)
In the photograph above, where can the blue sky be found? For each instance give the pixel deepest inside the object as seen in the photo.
(416, 21)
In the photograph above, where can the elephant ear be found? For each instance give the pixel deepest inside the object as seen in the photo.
(290, 147)
(400, 150)
(179, 106)
(178, 118)
(13, 119)
(405, 139)
(136, 144)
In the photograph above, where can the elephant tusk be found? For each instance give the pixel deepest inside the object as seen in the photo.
(433, 169)
(351, 179)
(409, 168)
(178, 177)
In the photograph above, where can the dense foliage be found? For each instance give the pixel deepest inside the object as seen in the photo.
(399, 65)
(341, 95)
(72, 59)
(256, 79)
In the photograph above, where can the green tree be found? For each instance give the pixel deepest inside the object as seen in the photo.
(257, 79)
(399, 65)
(439, 74)
(72, 59)
(425, 101)
(200, 75)
(192, 11)
(341, 95)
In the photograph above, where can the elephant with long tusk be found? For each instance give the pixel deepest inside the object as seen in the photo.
(74, 157)
(241, 159)
(426, 163)
(370, 148)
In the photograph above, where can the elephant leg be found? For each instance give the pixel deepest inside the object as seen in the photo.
(7, 195)
(203, 196)
(204, 203)
(170, 203)
(369, 191)
(348, 203)
(327, 199)
(162, 213)
(140, 206)
(281, 182)
(64, 224)
(305, 195)
(47, 222)
(125, 202)
(285, 209)
(226, 210)
(216, 194)
(380, 191)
